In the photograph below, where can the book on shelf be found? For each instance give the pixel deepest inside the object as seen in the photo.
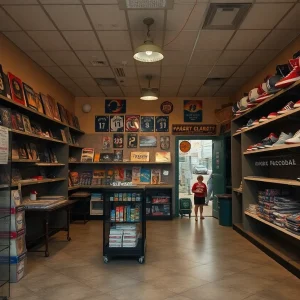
(136, 175)
(34, 152)
(5, 117)
(119, 174)
(14, 150)
(74, 177)
(87, 155)
(98, 177)
(15, 175)
(39, 104)
(63, 135)
(163, 156)
(63, 113)
(26, 123)
(70, 118)
(76, 122)
(20, 125)
(16, 88)
(3, 87)
(22, 151)
(85, 178)
(30, 96)
(145, 177)
(128, 175)
(46, 105)
(53, 108)
(97, 156)
(118, 155)
(106, 157)
(155, 176)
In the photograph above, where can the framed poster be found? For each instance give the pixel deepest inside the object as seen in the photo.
(46, 105)
(163, 157)
(101, 124)
(192, 110)
(139, 156)
(147, 124)
(54, 108)
(30, 96)
(16, 89)
(115, 106)
(166, 107)
(116, 123)
(118, 140)
(132, 123)
(164, 142)
(132, 140)
(148, 141)
(162, 124)
(106, 142)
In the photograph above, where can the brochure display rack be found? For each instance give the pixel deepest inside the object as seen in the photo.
(124, 224)
(265, 177)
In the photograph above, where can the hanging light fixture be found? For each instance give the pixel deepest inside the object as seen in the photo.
(148, 52)
(149, 94)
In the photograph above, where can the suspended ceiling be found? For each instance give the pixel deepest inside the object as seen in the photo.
(65, 36)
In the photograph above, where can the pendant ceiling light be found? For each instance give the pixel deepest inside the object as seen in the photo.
(149, 94)
(148, 52)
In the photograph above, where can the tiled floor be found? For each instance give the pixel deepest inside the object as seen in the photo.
(185, 260)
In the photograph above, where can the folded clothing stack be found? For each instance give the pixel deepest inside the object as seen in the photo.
(266, 204)
(293, 223)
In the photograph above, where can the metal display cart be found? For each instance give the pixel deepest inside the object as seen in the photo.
(124, 224)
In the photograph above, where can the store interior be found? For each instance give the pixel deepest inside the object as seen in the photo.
(111, 111)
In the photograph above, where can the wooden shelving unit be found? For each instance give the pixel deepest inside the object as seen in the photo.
(119, 163)
(237, 190)
(266, 169)
(34, 182)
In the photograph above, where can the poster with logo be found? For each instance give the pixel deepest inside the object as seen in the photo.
(115, 106)
(101, 124)
(132, 123)
(192, 110)
(162, 124)
(147, 124)
(166, 107)
(116, 123)
(164, 142)
(132, 140)
(148, 141)
(106, 142)
(118, 140)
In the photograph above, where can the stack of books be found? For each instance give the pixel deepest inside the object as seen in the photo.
(123, 235)
(125, 214)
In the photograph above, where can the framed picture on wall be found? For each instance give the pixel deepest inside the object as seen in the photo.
(132, 140)
(192, 110)
(162, 124)
(118, 140)
(147, 123)
(16, 89)
(132, 123)
(54, 108)
(164, 142)
(101, 124)
(47, 108)
(116, 123)
(115, 106)
(148, 141)
(30, 96)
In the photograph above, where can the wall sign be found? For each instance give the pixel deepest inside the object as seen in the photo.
(132, 123)
(101, 123)
(278, 162)
(166, 107)
(132, 140)
(185, 146)
(147, 124)
(116, 123)
(193, 129)
(148, 141)
(139, 156)
(118, 140)
(162, 124)
(115, 106)
(192, 110)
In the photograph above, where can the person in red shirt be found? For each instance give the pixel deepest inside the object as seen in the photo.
(200, 192)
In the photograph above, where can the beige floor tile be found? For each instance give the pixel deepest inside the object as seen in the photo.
(30, 297)
(234, 265)
(175, 265)
(178, 297)
(17, 290)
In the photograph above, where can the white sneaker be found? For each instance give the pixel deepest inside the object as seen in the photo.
(295, 139)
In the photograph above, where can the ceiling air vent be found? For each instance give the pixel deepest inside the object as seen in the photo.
(225, 15)
(214, 81)
(98, 63)
(106, 81)
(119, 72)
(146, 4)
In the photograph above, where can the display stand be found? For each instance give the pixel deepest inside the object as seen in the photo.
(263, 169)
(124, 224)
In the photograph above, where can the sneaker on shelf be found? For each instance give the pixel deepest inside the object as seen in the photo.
(263, 97)
(295, 139)
(297, 104)
(286, 108)
(293, 76)
(255, 147)
(269, 141)
(255, 122)
(282, 138)
(262, 119)
(249, 123)
(272, 115)
(239, 130)
(260, 146)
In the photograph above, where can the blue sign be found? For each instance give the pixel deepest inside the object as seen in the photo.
(162, 124)
(147, 124)
(101, 124)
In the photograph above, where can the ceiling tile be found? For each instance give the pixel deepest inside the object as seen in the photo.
(101, 16)
(149, 70)
(24, 16)
(265, 16)
(184, 41)
(60, 1)
(87, 56)
(248, 71)
(170, 81)
(93, 91)
(292, 20)
(205, 57)
(136, 18)
(100, 1)
(189, 91)
(85, 82)
(82, 40)
(112, 91)
(76, 91)
(69, 17)
(168, 91)
(98, 72)
(15, 2)
(233, 58)
(278, 39)
(67, 82)
(213, 39)
(193, 81)
(41, 58)
(261, 57)
(169, 71)
(236, 81)
(7, 23)
(22, 40)
(207, 91)
(177, 17)
(138, 37)
(132, 91)
(247, 39)
(120, 58)
(175, 58)
(128, 82)
(226, 91)
(56, 72)
(115, 40)
(144, 82)
(64, 58)
(76, 71)
(198, 71)
(130, 72)
(49, 40)
(222, 71)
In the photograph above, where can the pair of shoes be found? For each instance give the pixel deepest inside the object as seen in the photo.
(266, 142)
(295, 139)
(293, 76)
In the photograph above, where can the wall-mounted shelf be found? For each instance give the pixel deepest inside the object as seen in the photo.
(148, 186)
(274, 148)
(37, 163)
(75, 146)
(237, 190)
(273, 180)
(120, 163)
(34, 182)
(36, 136)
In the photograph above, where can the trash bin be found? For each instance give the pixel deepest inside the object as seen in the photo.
(225, 209)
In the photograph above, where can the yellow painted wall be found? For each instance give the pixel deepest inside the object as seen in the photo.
(18, 63)
(270, 69)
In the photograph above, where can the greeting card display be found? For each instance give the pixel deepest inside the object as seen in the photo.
(118, 140)
(132, 140)
(101, 124)
(16, 89)
(132, 123)
(147, 124)
(116, 123)
(162, 124)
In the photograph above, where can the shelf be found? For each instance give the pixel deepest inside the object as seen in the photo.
(12, 103)
(154, 186)
(276, 148)
(120, 163)
(75, 146)
(37, 163)
(36, 136)
(237, 190)
(24, 161)
(159, 203)
(272, 225)
(50, 164)
(34, 182)
(273, 180)
(72, 188)
(281, 92)
(127, 222)
(4, 186)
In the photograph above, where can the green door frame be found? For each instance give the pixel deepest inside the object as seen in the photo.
(186, 138)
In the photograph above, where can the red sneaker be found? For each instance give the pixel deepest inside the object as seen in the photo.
(262, 119)
(286, 108)
(293, 76)
(272, 115)
(263, 97)
(297, 104)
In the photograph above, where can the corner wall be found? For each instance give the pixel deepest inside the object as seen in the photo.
(18, 63)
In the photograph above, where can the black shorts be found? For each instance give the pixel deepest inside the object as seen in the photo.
(199, 200)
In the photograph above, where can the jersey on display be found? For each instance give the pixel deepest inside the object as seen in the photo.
(132, 140)
(162, 124)
(116, 123)
(101, 124)
(118, 140)
(147, 124)
(132, 123)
